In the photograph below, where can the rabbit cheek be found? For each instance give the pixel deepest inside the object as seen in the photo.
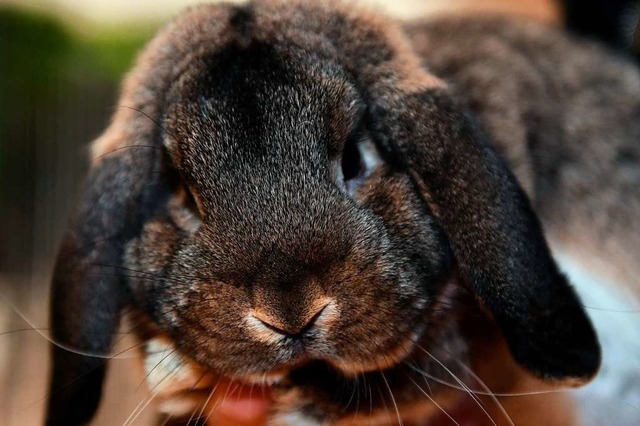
(416, 239)
(396, 293)
(382, 311)
(147, 259)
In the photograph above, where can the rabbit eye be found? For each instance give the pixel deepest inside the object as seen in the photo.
(352, 165)
(359, 160)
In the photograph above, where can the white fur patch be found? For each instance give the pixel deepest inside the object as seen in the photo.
(168, 376)
(260, 331)
(164, 365)
(294, 419)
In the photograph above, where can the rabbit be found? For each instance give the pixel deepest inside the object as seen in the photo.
(309, 197)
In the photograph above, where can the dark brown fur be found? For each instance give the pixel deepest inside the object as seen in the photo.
(215, 206)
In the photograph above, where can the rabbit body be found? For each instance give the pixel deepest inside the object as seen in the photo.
(564, 113)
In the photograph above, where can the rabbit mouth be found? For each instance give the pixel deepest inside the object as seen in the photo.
(238, 403)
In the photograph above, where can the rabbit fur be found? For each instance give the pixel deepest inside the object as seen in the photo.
(222, 211)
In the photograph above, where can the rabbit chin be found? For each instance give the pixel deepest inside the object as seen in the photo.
(171, 376)
(182, 388)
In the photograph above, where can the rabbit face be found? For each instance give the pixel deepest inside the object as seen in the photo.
(302, 243)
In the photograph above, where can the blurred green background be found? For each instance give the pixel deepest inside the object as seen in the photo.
(58, 86)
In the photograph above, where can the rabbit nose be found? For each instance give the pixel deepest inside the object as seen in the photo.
(290, 330)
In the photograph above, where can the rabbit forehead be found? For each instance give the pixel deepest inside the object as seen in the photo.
(259, 115)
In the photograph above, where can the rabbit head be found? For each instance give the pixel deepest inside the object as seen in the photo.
(286, 191)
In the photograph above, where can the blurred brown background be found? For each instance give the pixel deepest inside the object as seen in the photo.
(60, 64)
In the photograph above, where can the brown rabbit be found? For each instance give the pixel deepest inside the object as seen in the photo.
(308, 198)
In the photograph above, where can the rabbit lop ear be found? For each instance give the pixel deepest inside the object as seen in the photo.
(89, 287)
(495, 235)
(125, 185)
(130, 179)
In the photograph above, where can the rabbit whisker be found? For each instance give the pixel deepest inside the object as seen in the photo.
(202, 376)
(152, 395)
(173, 371)
(483, 393)
(144, 380)
(38, 329)
(357, 390)
(144, 403)
(353, 392)
(210, 413)
(222, 400)
(19, 330)
(70, 382)
(424, 377)
(52, 341)
(206, 402)
(192, 417)
(457, 379)
(382, 398)
(135, 410)
(486, 388)
(149, 117)
(434, 401)
(367, 391)
(147, 273)
(392, 398)
(120, 148)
